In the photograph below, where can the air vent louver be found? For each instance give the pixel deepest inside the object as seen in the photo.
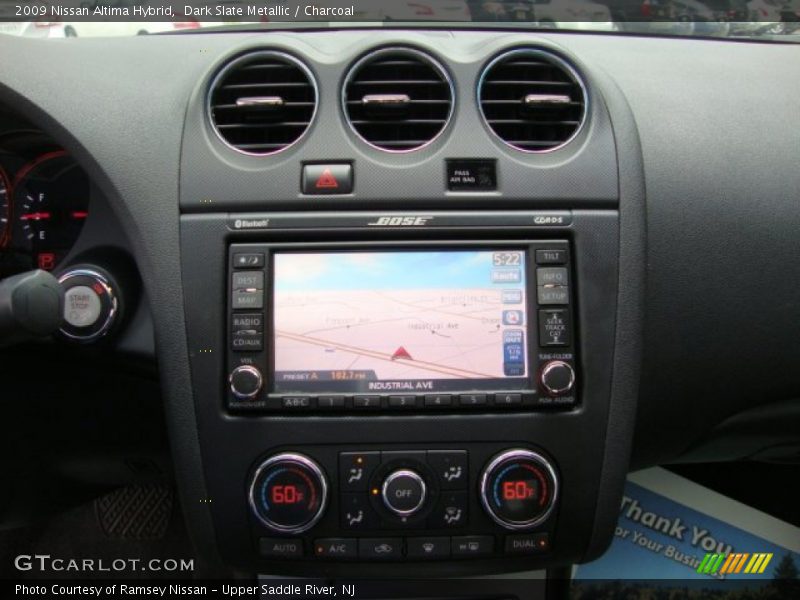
(398, 99)
(263, 102)
(532, 100)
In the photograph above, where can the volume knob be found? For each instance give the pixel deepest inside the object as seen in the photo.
(246, 381)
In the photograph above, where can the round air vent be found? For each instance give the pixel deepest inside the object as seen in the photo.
(262, 102)
(532, 100)
(398, 99)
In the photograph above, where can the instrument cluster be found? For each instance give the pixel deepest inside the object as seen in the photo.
(44, 202)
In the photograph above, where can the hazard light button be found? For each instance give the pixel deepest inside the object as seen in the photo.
(331, 178)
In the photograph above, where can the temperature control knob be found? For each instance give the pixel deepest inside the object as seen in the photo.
(518, 489)
(246, 382)
(288, 493)
(404, 492)
(557, 377)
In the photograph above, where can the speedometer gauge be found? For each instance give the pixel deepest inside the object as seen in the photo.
(51, 198)
(5, 207)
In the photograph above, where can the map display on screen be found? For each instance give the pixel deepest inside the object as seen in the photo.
(395, 321)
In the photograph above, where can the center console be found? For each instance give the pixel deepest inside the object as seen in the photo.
(414, 341)
(432, 397)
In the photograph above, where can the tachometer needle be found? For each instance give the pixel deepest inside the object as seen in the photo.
(79, 214)
(37, 216)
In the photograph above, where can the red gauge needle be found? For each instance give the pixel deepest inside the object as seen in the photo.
(79, 214)
(37, 216)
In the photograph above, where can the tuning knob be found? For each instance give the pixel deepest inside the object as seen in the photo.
(246, 382)
(557, 378)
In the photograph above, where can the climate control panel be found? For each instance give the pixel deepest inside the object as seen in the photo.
(403, 504)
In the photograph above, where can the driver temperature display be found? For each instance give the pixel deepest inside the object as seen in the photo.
(288, 493)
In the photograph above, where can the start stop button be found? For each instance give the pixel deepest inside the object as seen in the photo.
(82, 306)
(91, 304)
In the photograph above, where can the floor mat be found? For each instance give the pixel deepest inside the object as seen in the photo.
(142, 523)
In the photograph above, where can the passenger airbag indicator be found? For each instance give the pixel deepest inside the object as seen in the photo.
(470, 175)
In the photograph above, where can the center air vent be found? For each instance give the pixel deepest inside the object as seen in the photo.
(263, 102)
(398, 99)
(532, 100)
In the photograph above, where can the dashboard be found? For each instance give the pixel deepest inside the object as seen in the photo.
(419, 299)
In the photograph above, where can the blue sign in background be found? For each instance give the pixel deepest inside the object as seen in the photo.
(644, 551)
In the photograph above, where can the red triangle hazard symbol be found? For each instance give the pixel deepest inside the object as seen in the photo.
(401, 353)
(327, 180)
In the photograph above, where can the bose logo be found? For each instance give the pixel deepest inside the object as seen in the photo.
(400, 222)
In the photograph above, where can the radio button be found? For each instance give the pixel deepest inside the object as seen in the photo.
(356, 469)
(451, 468)
(434, 400)
(247, 323)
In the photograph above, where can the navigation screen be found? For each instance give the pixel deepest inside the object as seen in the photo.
(402, 321)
